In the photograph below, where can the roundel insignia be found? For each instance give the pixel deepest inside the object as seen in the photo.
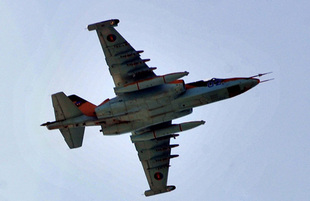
(111, 37)
(158, 176)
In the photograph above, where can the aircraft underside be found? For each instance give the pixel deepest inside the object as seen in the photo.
(145, 105)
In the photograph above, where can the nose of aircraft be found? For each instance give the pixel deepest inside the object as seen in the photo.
(241, 85)
(249, 83)
(253, 82)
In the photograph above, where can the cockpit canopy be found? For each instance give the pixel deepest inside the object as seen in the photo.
(209, 83)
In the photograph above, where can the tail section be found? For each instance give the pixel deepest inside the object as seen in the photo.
(71, 113)
(84, 106)
(73, 136)
(65, 109)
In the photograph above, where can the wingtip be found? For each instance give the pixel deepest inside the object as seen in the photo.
(98, 25)
(46, 124)
(151, 192)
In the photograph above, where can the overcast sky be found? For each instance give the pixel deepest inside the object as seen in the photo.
(253, 147)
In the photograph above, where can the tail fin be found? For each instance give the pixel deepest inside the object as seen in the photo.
(65, 109)
(84, 106)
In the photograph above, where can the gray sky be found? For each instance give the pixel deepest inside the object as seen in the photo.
(253, 147)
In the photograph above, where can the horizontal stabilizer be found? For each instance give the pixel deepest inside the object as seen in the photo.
(64, 108)
(73, 136)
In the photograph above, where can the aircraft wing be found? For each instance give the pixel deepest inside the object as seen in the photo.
(155, 155)
(124, 61)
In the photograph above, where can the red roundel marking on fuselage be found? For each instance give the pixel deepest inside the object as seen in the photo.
(111, 37)
(158, 176)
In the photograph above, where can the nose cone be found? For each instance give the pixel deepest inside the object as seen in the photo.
(249, 83)
(254, 82)
(241, 85)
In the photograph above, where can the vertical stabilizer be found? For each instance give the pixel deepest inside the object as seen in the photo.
(84, 106)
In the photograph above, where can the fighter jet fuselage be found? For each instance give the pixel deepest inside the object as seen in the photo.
(142, 108)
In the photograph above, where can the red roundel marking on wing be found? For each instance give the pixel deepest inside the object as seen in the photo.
(158, 176)
(111, 37)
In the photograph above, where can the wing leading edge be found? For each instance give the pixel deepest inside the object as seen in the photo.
(125, 64)
(155, 155)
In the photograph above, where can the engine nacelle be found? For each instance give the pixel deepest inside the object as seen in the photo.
(111, 108)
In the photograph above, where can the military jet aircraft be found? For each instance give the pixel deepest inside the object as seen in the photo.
(145, 105)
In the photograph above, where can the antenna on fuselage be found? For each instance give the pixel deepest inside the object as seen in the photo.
(266, 80)
(261, 74)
